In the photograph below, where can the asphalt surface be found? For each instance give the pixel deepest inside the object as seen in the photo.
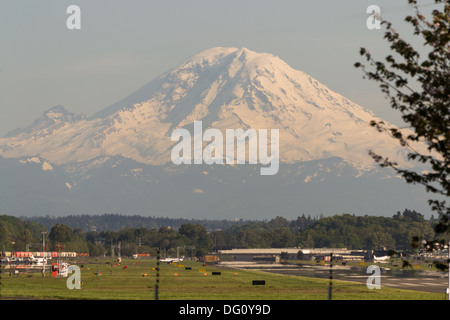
(428, 281)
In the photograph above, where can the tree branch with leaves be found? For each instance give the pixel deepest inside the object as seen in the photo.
(419, 88)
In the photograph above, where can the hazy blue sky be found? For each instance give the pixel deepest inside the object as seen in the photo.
(124, 44)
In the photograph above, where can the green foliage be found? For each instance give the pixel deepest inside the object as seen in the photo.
(367, 232)
(192, 239)
(61, 233)
(16, 233)
(276, 233)
(196, 235)
(419, 88)
(116, 222)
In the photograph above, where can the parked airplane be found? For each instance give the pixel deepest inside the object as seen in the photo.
(170, 260)
(383, 258)
(37, 261)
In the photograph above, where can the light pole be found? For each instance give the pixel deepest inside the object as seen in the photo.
(43, 254)
(157, 273)
(331, 276)
(448, 289)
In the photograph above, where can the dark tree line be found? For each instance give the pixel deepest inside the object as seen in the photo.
(195, 239)
(115, 222)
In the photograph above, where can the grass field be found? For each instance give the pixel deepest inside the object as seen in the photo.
(198, 283)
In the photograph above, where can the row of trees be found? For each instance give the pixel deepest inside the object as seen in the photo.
(340, 231)
(193, 239)
(368, 232)
(115, 222)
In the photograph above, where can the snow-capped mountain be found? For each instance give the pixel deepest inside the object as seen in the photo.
(321, 135)
(225, 88)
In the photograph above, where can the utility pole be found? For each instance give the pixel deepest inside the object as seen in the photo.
(43, 253)
(448, 289)
(331, 276)
(157, 273)
(119, 257)
(10, 270)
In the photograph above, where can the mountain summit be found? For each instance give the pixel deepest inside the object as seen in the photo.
(224, 88)
(119, 159)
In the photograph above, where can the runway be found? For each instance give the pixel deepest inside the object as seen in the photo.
(427, 281)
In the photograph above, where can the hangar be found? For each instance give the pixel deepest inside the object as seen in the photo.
(275, 255)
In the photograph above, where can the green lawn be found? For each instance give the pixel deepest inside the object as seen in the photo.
(175, 283)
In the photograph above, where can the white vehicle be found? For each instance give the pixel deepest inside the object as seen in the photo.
(171, 260)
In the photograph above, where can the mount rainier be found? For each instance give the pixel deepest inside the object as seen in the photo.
(118, 160)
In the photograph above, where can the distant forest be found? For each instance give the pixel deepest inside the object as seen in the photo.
(100, 235)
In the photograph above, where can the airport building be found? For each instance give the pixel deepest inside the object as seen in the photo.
(276, 255)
